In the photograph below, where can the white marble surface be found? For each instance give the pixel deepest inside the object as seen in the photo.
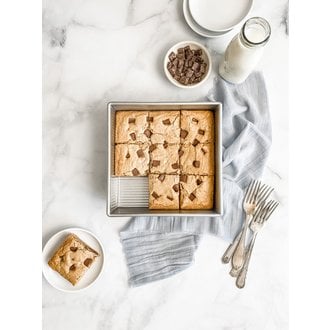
(101, 50)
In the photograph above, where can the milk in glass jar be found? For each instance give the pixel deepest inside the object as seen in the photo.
(245, 50)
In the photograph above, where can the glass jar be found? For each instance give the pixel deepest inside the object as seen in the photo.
(245, 50)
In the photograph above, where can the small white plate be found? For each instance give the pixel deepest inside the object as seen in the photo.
(54, 278)
(193, 45)
(197, 28)
(219, 15)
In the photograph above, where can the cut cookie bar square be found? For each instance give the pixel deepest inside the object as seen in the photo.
(196, 191)
(163, 191)
(132, 159)
(165, 126)
(197, 125)
(132, 127)
(197, 159)
(72, 259)
(164, 158)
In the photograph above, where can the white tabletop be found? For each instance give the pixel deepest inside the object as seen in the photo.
(97, 51)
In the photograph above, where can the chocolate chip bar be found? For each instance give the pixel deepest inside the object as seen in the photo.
(164, 158)
(73, 259)
(164, 191)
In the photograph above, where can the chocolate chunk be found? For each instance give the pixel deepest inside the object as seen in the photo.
(186, 63)
(196, 163)
(183, 133)
(73, 268)
(88, 262)
(194, 120)
(180, 50)
(131, 120)
(165, 144)
(135, 172)
(181, 152)
(196, 66)
(152, 147)
(172, 72)
(155, 195)
(183, 80)
(204, 151)
(161, 177)
(140, 153)
(167, 122)
(128, 155)
(175, 166)
(155, 163)
(150, 119)
(147, 133)
(198, 182)
(198, 74)
(201, 132)
(187, 48)
(171, 56)
(170, 198)
(169, 65)
(192, 196)
(175, 63)
(183, 178)
(203, 68)
(195, 142)
(190, 72)
(73, 248)
(175, 187)
(133, 136)
(198, 52)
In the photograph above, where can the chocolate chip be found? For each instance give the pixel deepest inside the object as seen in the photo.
(128, 155)
(194, 120)
(184, 178)
(192, 196)
(133, 136)
(150, 119)
(155, 163)
(140, 153)
(88, 262)
(171, 56)
(131, 120)
(165, 144)
(147, 133)
(176, 187)
(183, 133)
(198, 182)
(195, 142)
(181, 152)
(195, 66)
(170, 198)
(73, 268)
(201, 132)
(152, 147)
(175, 166)
(204, 151)
(73, 248)
(161, 177)
(62, 258)
(155, 195)
(167, 122)
(180, 50)
(196, 163)
(135, 172)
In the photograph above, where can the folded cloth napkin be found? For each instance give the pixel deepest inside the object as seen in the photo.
(158, 247)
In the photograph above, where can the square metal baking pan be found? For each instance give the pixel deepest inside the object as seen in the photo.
(129, 196)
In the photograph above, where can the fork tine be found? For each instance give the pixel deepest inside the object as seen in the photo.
(248, 190)
(258, 211)
(265, 194)
(253, 191)
(264, 211)
(268, 211)
(272, 210)
(256, 192)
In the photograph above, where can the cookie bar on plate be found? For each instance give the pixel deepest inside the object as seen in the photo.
(72, 259)
(196, 191)
(164, 191)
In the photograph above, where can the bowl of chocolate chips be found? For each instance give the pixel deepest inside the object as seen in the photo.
(187, 64)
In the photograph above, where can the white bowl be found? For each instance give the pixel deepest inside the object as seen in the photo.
(219, 15)
(193, 45)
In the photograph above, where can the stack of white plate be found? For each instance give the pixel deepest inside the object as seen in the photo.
(214, 18)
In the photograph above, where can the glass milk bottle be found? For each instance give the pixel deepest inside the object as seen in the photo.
(245, 50)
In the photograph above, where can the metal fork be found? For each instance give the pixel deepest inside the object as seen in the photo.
(250, 205)
(256, 224)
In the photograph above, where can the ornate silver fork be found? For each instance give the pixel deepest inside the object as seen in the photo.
(261, 216)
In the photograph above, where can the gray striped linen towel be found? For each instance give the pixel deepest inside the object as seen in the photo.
(159, 247)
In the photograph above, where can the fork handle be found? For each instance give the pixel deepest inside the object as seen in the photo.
(231, 249)
(240, 281)
(239, 254)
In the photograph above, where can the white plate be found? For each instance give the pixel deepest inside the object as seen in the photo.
(54, 278)
(195, 27)
(219, 15)
(193, 45)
